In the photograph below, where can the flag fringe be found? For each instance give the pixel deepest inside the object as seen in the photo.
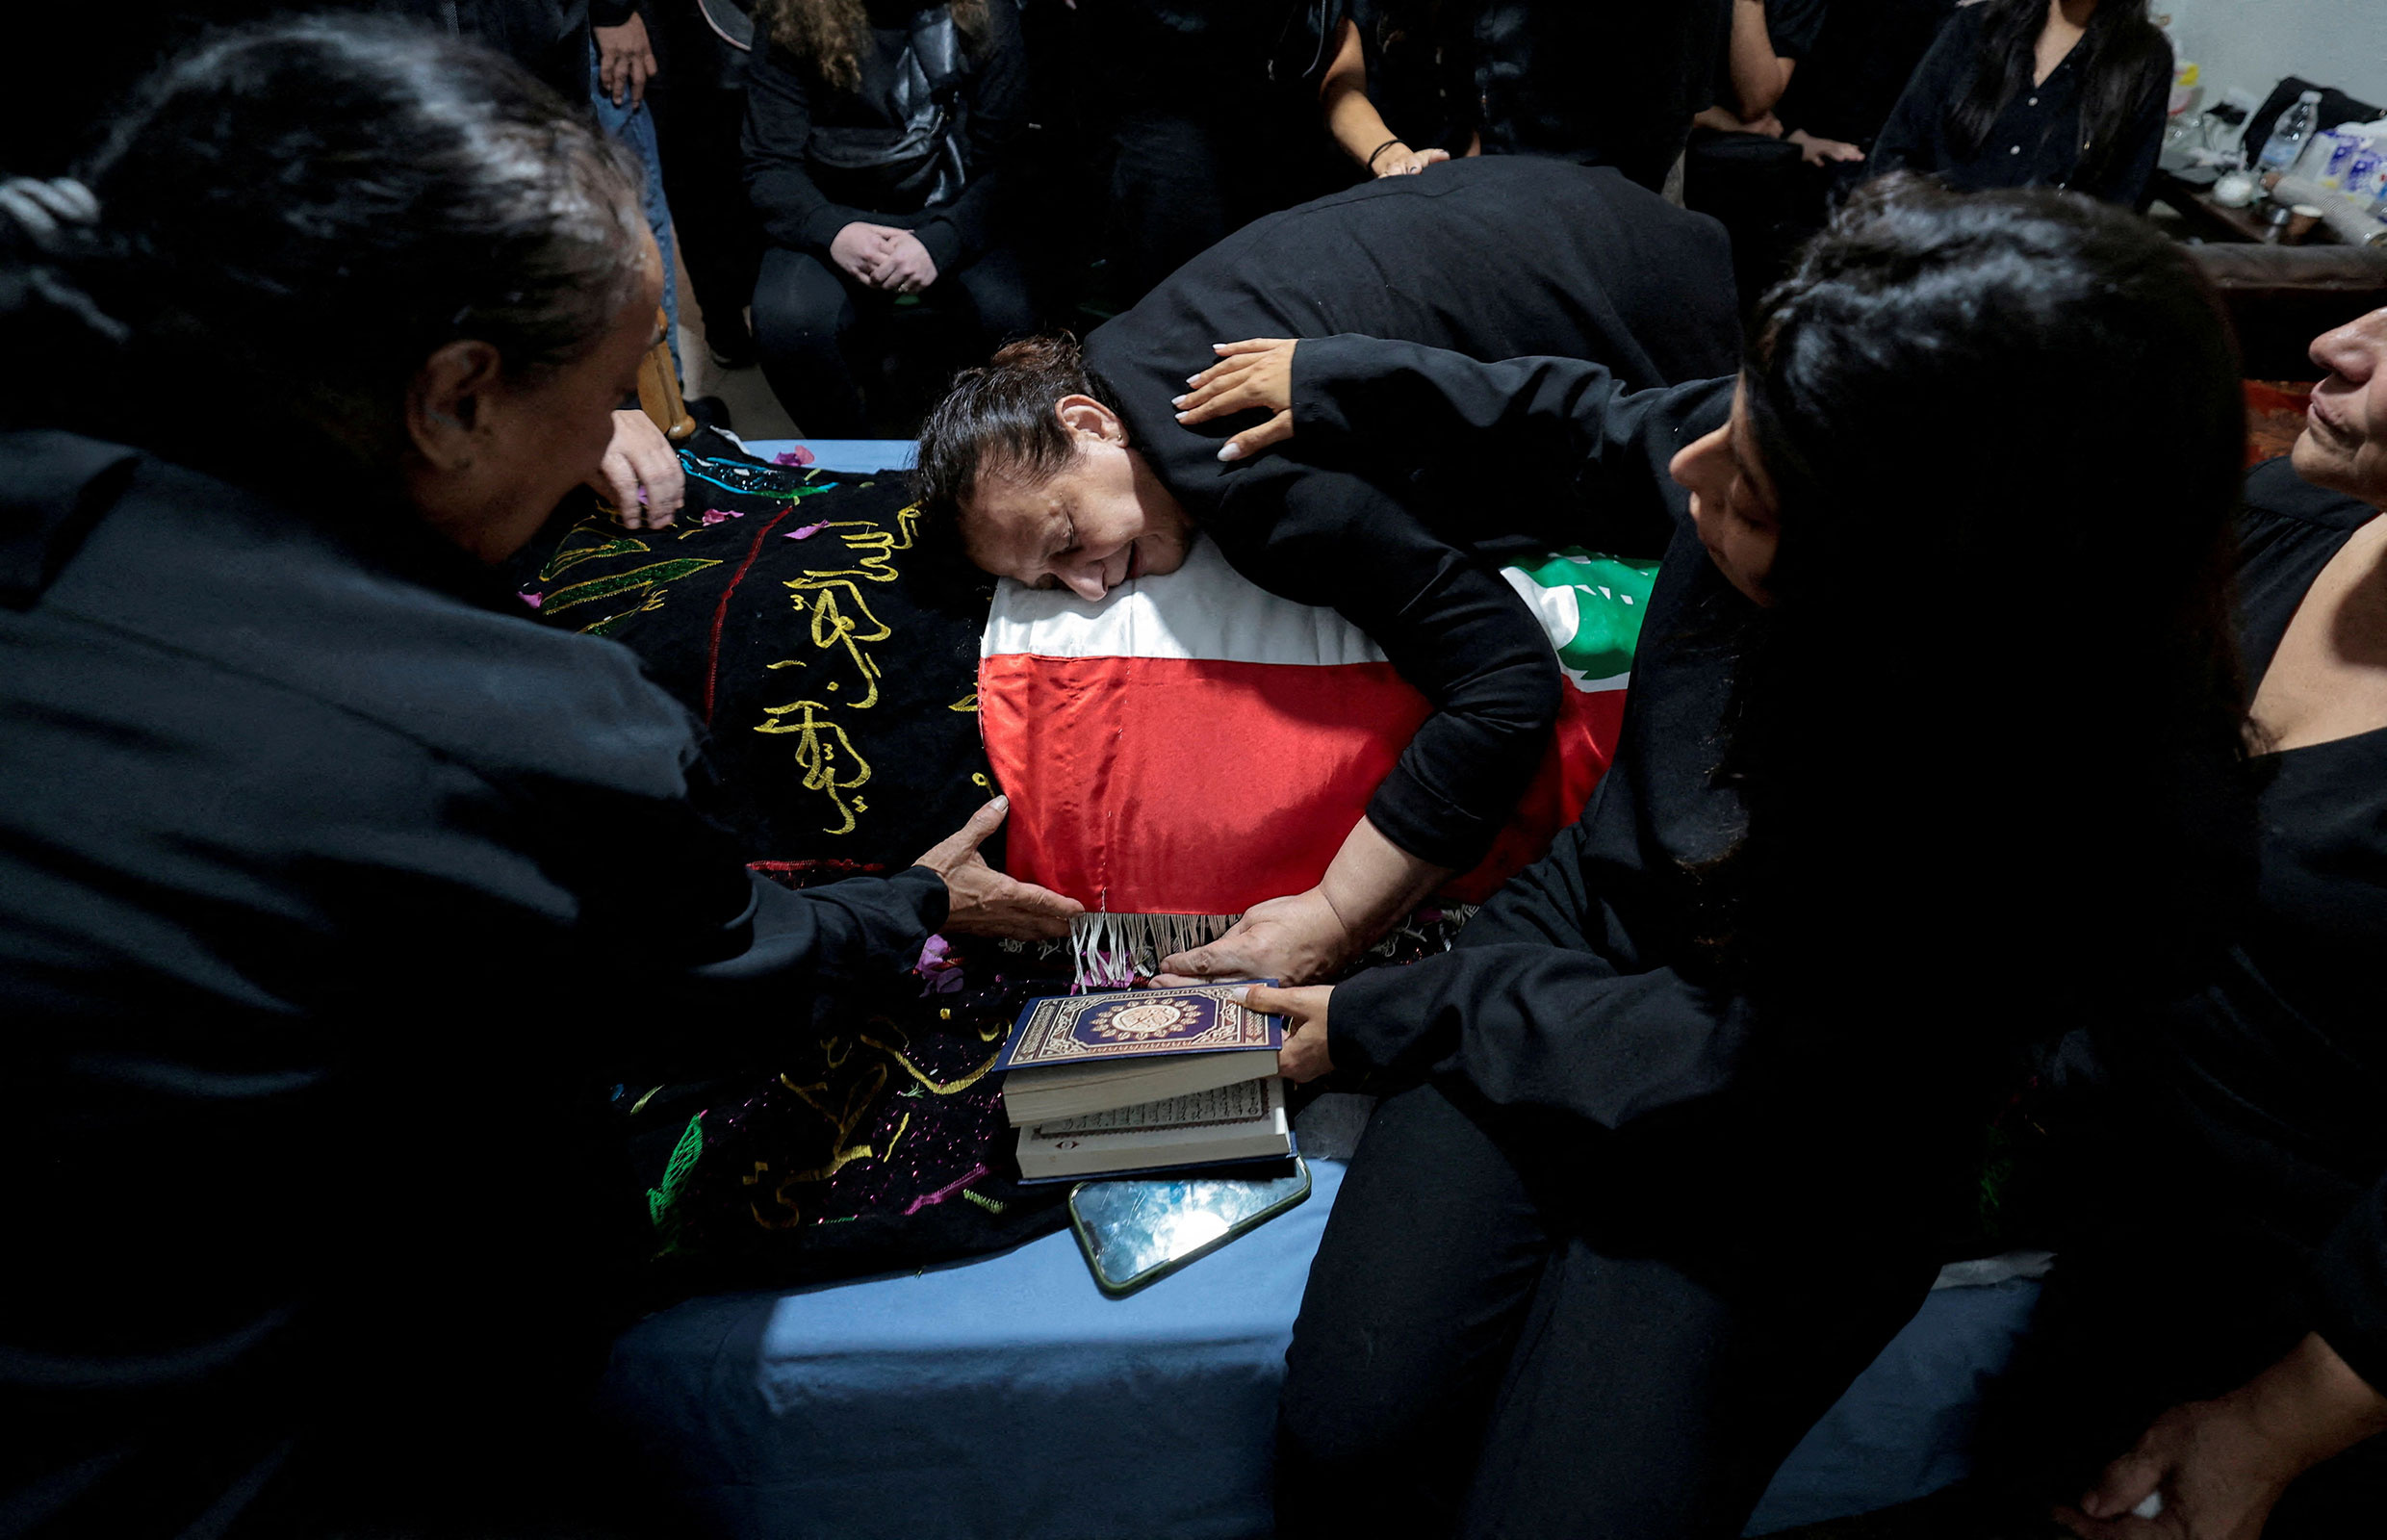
(1112, 951)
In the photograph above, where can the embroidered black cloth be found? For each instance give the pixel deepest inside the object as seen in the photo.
(838, 677)
(836, 670)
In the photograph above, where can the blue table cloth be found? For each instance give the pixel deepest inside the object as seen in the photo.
(1007, 1396)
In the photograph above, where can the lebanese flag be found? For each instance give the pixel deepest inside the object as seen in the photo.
(1194, 744)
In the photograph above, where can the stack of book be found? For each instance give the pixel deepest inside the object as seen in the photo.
(1142, 1080)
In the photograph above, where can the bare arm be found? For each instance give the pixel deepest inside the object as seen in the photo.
(2220, 1465)
(1760, 75)
(1353, 120)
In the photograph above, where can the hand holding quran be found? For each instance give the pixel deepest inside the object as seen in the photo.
(1303, 1057)
(1141, 1080)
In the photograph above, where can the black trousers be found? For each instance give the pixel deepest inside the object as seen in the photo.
(1183, 178)
(697, 128)
(810, 321)
(1461, 1365)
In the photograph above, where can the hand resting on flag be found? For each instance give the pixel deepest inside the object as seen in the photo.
(983, 901)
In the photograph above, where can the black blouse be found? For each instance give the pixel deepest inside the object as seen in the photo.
(2036, 140)
(787, 102)
(2273, 1083)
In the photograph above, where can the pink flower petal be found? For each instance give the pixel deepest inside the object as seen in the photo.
(532, 600)
(714, 516)
(798, 455)
(807, 531)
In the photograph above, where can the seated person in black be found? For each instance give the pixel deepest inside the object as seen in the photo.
(2222, 1318)
(1207, 112)
(334, 890)
(1062, 469)
(1603, 82)
(2037, 94)
(1760, 57)
(1864, 55)
(1698, 1088)
(876, 143)
(1738, 166)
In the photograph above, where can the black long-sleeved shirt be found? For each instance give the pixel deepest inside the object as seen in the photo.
(786, 101)
(1719, 1121)
(2272, 1084)
(2036, 140)
(1489, 257)
(329, 880)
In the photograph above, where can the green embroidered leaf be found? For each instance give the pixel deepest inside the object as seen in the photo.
(572, 556)
(622, 582)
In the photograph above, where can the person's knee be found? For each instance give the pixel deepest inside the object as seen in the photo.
(798, 306)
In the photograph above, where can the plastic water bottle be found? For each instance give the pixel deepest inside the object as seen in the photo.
(2287, 140)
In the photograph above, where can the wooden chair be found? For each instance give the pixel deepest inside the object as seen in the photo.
(658, 386)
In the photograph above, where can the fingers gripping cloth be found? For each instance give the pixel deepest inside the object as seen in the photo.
(1192, 745)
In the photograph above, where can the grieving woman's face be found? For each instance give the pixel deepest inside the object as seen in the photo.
(1731, 501)
(494, 454)
(1092, 524)
(2344, 444)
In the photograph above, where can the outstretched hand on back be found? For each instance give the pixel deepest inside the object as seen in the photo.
(1252, 376)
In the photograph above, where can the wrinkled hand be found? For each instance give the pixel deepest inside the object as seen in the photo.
(1403, 161)
(640, 474)
(1253, 376)
(904, 265)
(860, 250)
(2219, 1474)
(983, 902)
(1815, 151)
(625, 59)
(1294, 940)
(1303, 1057)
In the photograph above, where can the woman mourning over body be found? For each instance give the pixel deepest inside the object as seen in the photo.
(1930, 752)
(331, 884)
(876, 136)
(2037, 94)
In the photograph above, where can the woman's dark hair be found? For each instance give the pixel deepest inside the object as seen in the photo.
(830, 35)
(1002, 414)
(1992, 715)
(2123, 58)
(293, 217)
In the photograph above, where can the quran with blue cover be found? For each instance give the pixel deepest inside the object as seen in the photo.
(1070, 1056)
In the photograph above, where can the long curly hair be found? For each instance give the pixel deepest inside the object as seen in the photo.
(832, 33)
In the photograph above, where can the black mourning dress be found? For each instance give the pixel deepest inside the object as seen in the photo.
(1640, 1226)
(2242, 1200)
(333, 889)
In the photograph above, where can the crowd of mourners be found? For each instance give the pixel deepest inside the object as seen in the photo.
(1992, 724)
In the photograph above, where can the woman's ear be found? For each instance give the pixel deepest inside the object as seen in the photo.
(448, 408)
(1089, 419)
